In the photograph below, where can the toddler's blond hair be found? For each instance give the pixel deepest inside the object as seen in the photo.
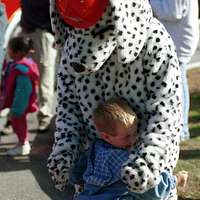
(115, 110)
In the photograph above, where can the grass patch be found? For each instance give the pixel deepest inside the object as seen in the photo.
(194, 116)
(190, 154)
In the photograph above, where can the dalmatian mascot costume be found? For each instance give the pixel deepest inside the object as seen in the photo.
(117, 49)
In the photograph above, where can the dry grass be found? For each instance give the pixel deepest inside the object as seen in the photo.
(190, 150)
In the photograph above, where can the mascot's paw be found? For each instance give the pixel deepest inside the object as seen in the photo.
(139, 175)
(58, 167)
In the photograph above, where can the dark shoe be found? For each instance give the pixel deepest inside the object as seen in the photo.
(43, 126)
(44, 122)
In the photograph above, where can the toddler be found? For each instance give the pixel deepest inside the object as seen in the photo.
(18, 90)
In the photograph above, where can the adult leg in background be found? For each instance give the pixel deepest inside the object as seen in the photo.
(186, 103)
(45, 57)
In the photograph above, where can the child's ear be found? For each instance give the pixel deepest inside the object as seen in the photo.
(105, 136)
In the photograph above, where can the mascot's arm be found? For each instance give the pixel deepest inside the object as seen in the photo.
(66, 146)
(68, 129)
(163, 111)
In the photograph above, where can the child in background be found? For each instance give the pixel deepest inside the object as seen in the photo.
(98, 171)
(18, 90)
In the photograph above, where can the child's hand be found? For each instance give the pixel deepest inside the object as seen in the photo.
(78, 189)
(182, 178)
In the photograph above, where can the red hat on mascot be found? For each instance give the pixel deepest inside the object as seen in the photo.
(81, 13)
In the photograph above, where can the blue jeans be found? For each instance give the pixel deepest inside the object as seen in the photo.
(186, 103)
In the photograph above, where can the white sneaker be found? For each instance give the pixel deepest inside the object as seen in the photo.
(20, 150)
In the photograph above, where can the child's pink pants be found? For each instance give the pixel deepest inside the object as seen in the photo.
(19, 125)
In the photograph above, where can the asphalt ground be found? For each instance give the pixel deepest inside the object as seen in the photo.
(26, 177)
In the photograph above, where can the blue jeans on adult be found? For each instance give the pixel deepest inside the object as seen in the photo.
(186, 103)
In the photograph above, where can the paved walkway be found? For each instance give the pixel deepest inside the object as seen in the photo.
(26, 177)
